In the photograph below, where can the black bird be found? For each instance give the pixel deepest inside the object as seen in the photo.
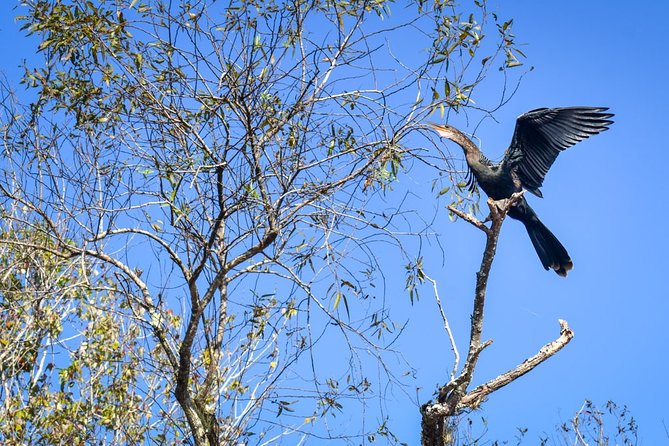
(539, 138)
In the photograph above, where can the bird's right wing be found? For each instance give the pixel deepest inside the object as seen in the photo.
(543, 133)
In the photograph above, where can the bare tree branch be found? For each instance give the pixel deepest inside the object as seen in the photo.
(474, 398)
(454, 397)
(447, 327)
(469, 219)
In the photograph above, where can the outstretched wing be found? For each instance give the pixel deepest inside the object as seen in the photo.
(543, 133)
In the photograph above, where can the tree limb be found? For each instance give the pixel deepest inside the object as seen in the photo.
(474, 398)
(453, 397)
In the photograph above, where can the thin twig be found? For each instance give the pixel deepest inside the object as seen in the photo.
(447, 327)
(469, 219)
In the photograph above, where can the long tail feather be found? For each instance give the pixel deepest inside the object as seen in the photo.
(551, 252)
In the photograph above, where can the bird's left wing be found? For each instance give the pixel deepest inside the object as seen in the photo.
(543, 133)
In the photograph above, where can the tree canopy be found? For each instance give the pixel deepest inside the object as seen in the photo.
(193, 194)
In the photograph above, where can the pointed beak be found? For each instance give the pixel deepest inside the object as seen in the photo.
(443, 130)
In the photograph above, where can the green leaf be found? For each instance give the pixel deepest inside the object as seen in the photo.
(443, 191)
(336, 301)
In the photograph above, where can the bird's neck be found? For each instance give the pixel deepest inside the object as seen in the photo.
(472, 152)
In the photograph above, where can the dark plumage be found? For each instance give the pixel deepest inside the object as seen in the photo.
(538, 139)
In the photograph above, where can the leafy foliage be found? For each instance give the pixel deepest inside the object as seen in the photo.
(190, 214)
(73, 368)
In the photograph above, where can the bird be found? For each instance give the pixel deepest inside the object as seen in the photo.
(539, 137)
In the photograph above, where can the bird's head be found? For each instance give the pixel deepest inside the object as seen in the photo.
(445, 131)
(455, 135)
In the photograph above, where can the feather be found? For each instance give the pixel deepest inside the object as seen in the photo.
(541, 135)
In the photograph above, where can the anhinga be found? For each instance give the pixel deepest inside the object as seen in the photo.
(539, 137)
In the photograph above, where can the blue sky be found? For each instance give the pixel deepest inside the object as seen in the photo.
(607, 53)
(604, 199)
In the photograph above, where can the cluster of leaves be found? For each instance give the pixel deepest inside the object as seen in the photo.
(73, 366)
(464, 58)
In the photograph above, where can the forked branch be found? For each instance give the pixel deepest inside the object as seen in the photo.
(454, 397)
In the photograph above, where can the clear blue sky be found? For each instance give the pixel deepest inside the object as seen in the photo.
(605, 199)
